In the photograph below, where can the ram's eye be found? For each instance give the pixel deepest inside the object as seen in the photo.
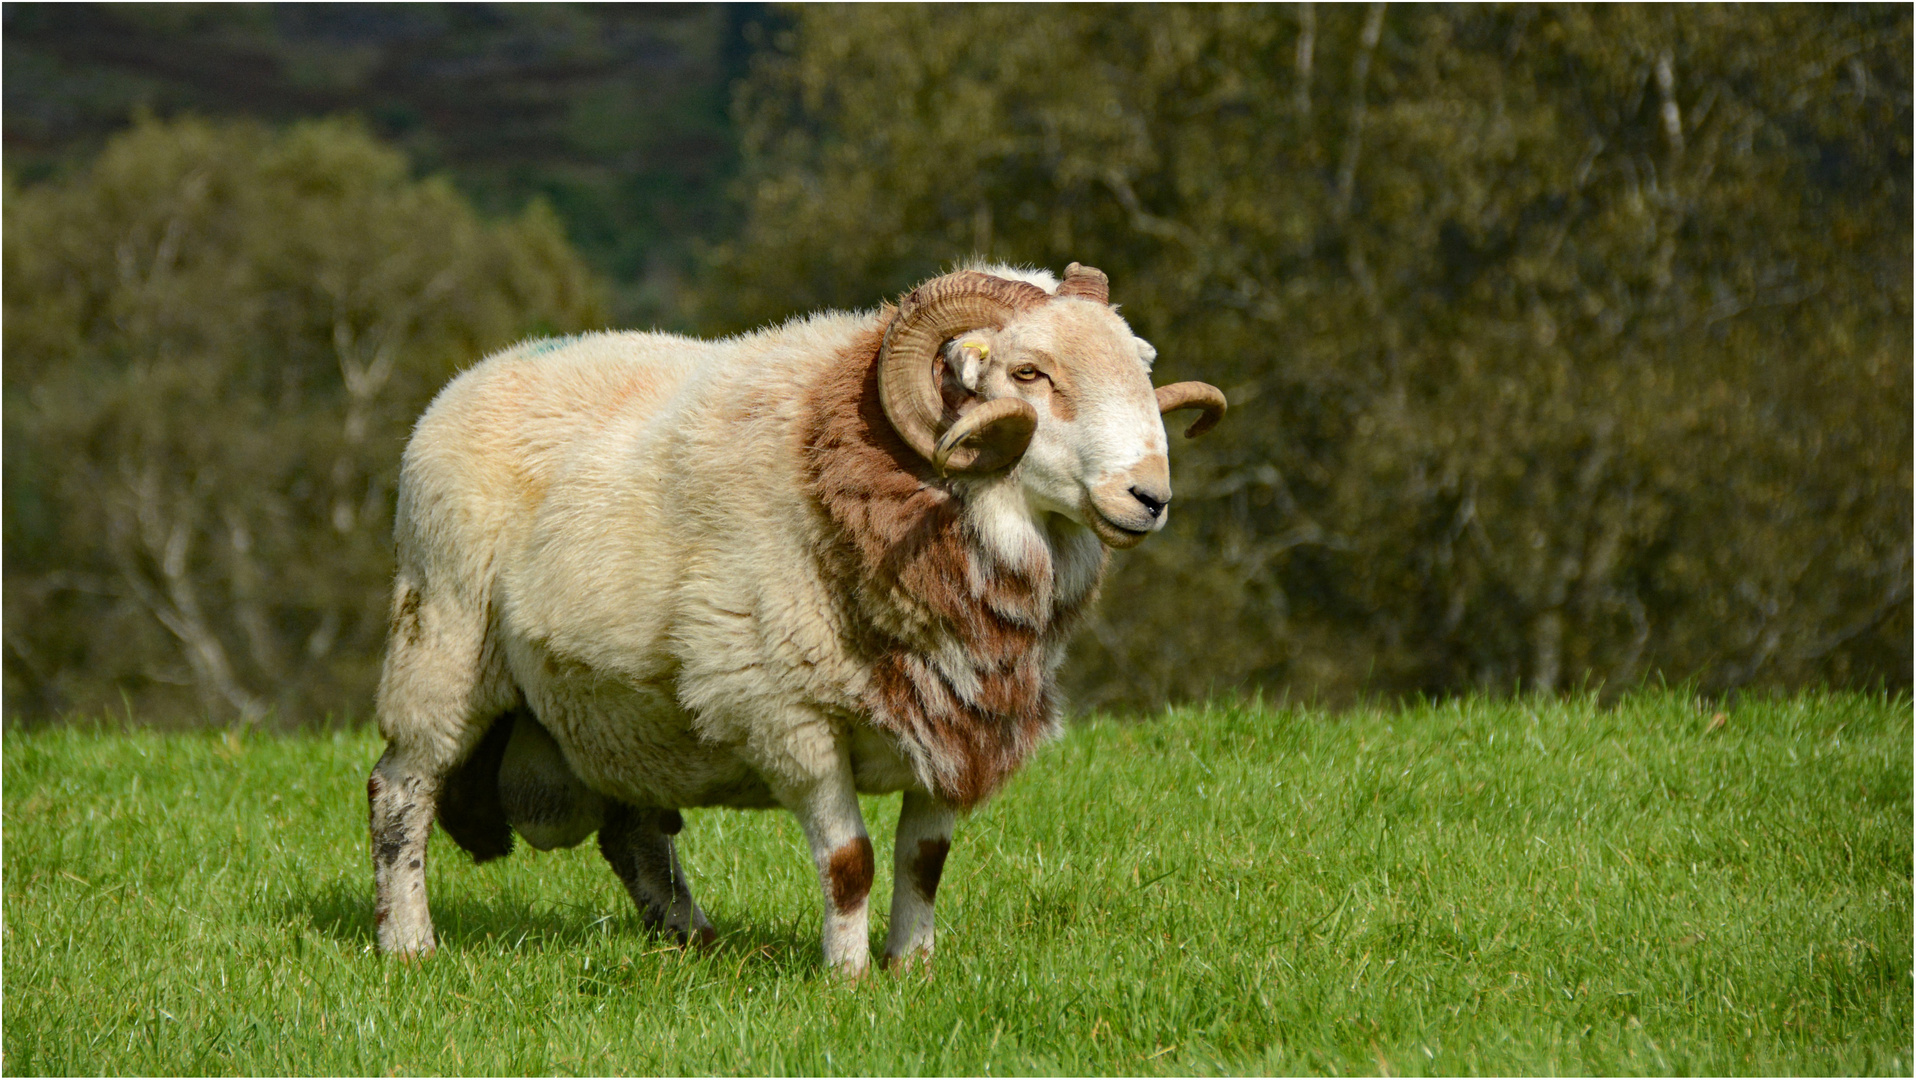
(1026, 373)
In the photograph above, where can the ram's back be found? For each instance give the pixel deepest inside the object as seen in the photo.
(492, 445)
(623, 523)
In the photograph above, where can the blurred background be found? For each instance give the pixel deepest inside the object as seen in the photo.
(1567, 347)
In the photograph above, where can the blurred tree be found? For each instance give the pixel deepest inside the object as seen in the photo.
(613, 113)
(217, 338)
(1564, 344)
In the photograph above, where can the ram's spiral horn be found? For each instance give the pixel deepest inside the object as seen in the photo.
(1088, 282)
(990, 437)
(1193, 395)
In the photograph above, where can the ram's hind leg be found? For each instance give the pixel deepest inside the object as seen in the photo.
(439, 692)
(401, 799)
(470, 808)
(638, 843)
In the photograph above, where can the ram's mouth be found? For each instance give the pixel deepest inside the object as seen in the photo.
(1113, 534)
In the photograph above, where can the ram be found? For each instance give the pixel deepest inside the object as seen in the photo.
(639, 573)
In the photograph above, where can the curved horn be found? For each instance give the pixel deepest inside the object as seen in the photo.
(1193, 395)
(997, 432)
(1088, 282)
(907, 375)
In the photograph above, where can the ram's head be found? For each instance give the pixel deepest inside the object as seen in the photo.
(981, 374)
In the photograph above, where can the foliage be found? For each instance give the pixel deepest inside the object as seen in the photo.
(613, 113)
(1481, 887)
(1566, 345)
(216, 340)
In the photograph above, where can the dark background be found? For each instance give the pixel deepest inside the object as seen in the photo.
(615, 114)
(1568, 347)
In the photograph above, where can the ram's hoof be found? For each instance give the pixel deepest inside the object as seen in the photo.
(848, 972)
(916, 960)
(410, 954)
(702, 937)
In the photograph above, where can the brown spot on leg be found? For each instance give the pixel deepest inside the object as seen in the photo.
(929, 866)
(850, 871)
(405, 620)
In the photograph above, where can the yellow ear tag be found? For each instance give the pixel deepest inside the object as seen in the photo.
(984, 350)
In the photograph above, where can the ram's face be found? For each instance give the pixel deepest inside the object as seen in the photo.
(979, 373)
(1098, 454)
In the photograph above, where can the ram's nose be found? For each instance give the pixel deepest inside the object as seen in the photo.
(1154, 497)
(1127, 508)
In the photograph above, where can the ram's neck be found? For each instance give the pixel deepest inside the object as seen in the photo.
(957, 595)
(1010, 535)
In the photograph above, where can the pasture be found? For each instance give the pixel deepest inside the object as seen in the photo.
(1480, 886)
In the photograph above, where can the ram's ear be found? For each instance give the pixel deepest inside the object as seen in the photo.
(1147, 352)
(967, 358)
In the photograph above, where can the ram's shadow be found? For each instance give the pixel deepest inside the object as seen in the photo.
(343, 911)
(335, 910)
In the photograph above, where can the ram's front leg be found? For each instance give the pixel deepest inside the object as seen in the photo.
(918, 860)
(827, 808)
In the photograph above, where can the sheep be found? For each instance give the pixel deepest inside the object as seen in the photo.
(640, 572)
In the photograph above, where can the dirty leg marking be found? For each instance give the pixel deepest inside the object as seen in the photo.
(399, 816)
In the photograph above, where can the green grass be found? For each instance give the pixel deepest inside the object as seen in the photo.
(1478, 887)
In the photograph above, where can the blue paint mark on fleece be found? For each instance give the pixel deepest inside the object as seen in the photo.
(546, 345)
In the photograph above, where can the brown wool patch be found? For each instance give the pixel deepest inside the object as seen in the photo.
(929, 866)
(851, 870)
(900, 556)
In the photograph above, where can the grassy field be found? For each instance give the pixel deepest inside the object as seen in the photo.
(1476, 887)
